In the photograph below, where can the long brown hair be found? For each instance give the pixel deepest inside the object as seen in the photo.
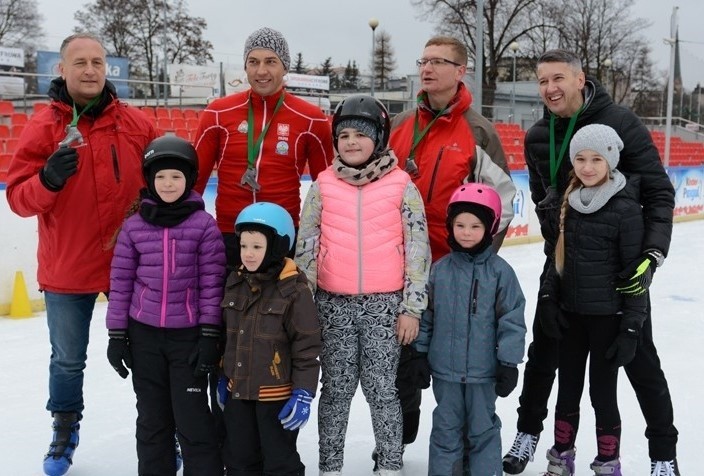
(133, 208)
(560, 245)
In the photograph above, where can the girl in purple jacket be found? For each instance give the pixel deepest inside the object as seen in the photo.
(164, 318)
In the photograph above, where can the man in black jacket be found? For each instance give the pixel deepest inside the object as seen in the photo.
(573, 101)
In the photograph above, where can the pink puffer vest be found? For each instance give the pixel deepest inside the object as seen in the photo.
(361, 235)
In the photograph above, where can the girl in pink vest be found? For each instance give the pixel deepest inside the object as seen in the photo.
(363, 244)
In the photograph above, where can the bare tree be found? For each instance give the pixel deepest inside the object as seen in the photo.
(601, 30)
(185, 41)
(21, 27)
(20, 24)
(505, 21)
(384, 61)
(595, 29)
(141, 30)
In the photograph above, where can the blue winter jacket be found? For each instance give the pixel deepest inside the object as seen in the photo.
(475, 318)
(168, 277)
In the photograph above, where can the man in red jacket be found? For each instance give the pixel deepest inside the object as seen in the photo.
(261, 139)
(442, 143)
(77, 168)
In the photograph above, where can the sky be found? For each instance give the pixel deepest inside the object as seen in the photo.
(107, 445)
(331, 28)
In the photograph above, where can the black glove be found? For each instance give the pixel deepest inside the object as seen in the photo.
(622, 351)
(59, 167)
(207, 355)
(506, 380)
(119, 351)
(636, 278)
(418, 370)
(550, 316)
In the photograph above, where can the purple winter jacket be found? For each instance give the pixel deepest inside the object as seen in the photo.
(167, 277)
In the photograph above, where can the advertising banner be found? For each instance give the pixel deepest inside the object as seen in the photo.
(11, 60)
(689, 193)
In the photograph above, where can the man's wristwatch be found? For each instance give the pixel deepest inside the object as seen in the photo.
(657, 256)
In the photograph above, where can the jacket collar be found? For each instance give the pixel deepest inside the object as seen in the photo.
(270, 101)
(460, 102)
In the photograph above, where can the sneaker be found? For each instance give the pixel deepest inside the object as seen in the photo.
(179, 455)
(560, 464)
(664, 468)
(520, 453)
(65, 441)
(612, 467)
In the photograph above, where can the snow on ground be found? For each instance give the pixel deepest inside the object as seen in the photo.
(107, 446)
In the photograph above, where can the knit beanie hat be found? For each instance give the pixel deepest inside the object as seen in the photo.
(268, 39)
(365, 126)
(171, 163)
(601, 139)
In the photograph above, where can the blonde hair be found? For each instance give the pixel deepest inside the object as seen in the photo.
(457, 46)
(560, 245)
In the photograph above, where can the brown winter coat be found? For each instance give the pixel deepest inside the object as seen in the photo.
(273, 335)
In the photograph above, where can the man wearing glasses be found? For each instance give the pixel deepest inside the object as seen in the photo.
(442, 143)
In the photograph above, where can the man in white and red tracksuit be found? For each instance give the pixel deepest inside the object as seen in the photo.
(261, 139)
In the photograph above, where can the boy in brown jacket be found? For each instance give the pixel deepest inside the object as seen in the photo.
(273, 342)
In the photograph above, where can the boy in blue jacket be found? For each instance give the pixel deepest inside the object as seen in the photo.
(472, 336)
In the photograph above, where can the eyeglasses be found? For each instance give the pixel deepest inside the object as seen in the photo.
(435, 62)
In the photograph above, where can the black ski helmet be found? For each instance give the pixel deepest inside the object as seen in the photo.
(361, 106)
(170, 152)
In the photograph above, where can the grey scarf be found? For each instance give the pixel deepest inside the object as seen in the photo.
(591, 199)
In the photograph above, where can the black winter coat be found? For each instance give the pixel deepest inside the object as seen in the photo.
(597, 247)
(639, 156)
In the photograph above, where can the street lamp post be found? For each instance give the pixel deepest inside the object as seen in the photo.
(607, 64)
(373, 23)
(514, 46)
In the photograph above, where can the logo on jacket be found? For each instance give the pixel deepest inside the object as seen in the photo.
(242, 128)
(282, 147)
(282, 130)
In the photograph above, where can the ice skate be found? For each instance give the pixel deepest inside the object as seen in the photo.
(664, 468)
(560, 464)
(612, 467)
(65, 441)
(521, 453)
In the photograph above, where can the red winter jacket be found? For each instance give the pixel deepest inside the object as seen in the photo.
(299, 134)
(446, 156)
(77, 223)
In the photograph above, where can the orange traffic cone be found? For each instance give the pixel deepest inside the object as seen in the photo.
(20, 305)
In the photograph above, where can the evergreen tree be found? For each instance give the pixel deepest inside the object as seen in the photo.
(384, 61)
(299, 66)
(326, 69)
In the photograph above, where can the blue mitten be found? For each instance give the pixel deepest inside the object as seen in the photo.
(223, 392)
(294, 415)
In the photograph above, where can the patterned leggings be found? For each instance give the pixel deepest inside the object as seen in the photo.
(359, 345)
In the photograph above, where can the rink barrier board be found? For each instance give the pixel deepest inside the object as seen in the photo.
(18, 236)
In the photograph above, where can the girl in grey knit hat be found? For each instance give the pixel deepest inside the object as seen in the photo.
(601, 230)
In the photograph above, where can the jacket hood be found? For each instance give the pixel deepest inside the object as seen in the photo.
(59, 92)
